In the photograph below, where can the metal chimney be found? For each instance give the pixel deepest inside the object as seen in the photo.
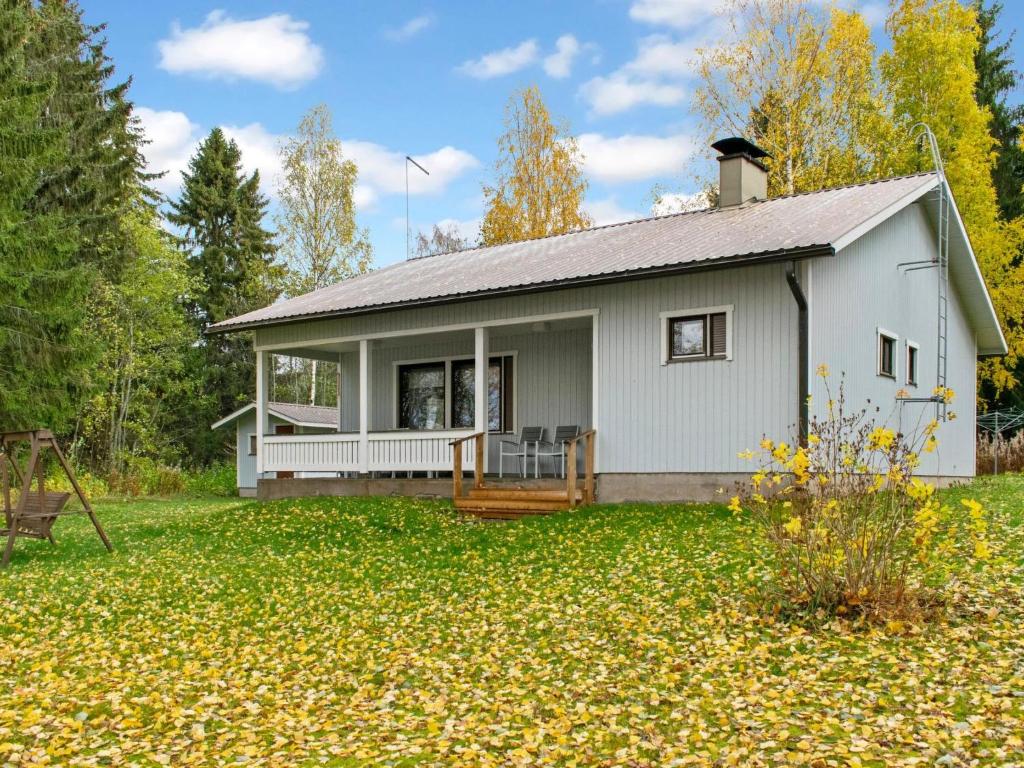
(742, 176)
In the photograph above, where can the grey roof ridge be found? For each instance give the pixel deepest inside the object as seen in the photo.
(672, 215)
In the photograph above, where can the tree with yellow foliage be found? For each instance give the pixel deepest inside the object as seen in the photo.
(539, 185)
(930, 76)
(807, 86)
(799, 84)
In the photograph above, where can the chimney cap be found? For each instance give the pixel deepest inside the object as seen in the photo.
(736, 145)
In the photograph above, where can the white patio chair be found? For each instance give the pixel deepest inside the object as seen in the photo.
(521, 449)
(557, 448)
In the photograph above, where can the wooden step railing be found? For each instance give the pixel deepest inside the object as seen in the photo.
(571, 472)
(478, 464)
(588, 467)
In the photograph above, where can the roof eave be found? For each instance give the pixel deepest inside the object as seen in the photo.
(767, 257)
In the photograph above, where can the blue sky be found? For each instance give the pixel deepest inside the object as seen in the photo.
(430, 80)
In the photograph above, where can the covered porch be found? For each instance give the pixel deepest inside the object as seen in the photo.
(404, 397)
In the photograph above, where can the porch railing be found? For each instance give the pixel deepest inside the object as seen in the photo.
(427, 451)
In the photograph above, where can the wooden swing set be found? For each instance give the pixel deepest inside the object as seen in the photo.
(37, 510)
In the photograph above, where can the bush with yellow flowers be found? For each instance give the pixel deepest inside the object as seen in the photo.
(852, 529)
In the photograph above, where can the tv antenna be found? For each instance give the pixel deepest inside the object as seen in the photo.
(407, 161)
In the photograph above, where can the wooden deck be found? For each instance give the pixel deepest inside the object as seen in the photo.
(506, 501)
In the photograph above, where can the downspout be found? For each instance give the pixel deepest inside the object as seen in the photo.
(803, 407)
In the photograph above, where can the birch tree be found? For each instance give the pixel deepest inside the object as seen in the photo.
(802, 85)
(319, 236)
(539, 182)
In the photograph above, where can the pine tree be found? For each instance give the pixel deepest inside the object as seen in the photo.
(231, 260)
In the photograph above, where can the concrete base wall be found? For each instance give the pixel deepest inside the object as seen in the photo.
(611, 488)
(247, 493)
(669, 486)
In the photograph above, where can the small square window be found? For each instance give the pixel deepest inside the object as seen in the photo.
(688, 336)
(252, 445)
(886, 355)
(913, 353)
(697, 336)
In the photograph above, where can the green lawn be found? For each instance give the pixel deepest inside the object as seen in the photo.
(365, 631)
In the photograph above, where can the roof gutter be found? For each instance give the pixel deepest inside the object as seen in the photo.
(803, 385)
(767, 257)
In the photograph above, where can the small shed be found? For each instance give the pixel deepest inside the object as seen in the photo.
(285, 419)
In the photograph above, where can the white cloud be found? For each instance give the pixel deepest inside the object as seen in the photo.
(678, 202)
(619, 159)
(503, 62)
(620, 91)
(874, 14)
(468, 229)
(559, 64)
(171, 137)
(274, 49)
(410, 29)
(259, 152)
(609, 211)
(174, 139)
(681, 14)
(383, 170)
(659, 55)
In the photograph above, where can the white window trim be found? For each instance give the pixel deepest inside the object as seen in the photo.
(879, 333)
(249, 444)
(665, 317)
(917, 347)
(447, 360)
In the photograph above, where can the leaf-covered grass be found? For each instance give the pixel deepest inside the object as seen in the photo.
(348, 632)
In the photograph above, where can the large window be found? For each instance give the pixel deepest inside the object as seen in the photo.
(425, 403)
(698, 336)
(421, 396)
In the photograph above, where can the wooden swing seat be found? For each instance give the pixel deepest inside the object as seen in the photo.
(35, 522)
(37, 509)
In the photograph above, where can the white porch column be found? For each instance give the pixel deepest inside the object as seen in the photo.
(480, 385)
(262, 395)
(595, 380)
(364, 406)
(338, 388)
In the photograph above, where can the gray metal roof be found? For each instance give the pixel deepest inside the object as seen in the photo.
(302, 415)
(809, 224)
(305, 414)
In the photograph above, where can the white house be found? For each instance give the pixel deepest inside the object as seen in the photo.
(282, 419)
(680, 339)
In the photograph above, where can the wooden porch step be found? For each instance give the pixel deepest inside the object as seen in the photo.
(529, 494)
(543, 505)
(504, 514)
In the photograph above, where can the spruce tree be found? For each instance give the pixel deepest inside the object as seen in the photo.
(231, 258)
(42, 285)
(997, 79)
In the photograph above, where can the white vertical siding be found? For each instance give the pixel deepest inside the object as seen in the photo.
(682, 417)
(861, 289)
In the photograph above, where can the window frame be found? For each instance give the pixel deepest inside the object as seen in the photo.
(880, 335)
(445, 371)
(447, 361)
(913, 369)
(666, 318)
(251, 442)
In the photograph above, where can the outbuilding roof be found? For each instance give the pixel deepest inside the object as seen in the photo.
(793, 226)
(300, 415)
